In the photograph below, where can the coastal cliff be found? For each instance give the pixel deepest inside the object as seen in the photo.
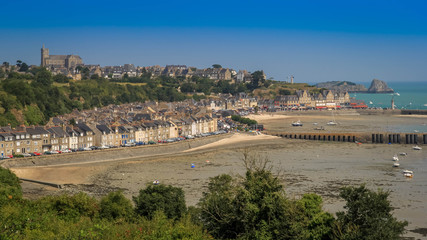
(378, 86)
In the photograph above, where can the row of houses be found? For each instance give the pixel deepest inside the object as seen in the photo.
(304, 100)
(82, 135)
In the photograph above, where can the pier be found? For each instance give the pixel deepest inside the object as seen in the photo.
(374, 138)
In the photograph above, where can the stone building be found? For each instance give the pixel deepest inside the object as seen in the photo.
(59, 61)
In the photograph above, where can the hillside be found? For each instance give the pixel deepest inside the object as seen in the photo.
(342, 86)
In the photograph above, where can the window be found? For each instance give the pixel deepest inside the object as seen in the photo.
(28, 142)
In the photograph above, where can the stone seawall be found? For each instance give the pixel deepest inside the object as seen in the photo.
(111, 154)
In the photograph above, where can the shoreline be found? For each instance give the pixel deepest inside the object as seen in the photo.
(305, 166)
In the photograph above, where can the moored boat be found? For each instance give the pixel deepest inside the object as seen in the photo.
(408, 173)
(297, 124)
(416, 147)
(396, 164)
(331, 123)
(395, 158)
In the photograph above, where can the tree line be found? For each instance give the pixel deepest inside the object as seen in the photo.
(253, 206)
(34, 96)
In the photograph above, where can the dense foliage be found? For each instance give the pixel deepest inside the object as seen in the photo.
(168, 199)
(368, 216)
(253, 206)
(243, 120)
(33, 96)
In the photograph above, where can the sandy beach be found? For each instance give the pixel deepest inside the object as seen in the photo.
(304, 166)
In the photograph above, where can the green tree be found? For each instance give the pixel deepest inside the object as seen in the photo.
(72, 207)
(10, 187)
(60, 78)
(24, 67)
(153, 198)
(6, 64)
(216, 66)
(43, 78)
(218, 213)
(368, 216)
(115, 205)
(258, 78)
(33, 115)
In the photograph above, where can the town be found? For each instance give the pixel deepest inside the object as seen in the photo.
(150, 122)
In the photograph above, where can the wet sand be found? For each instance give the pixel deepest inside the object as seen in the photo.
(304, 166)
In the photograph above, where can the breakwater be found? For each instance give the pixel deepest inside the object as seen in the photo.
(363, 137)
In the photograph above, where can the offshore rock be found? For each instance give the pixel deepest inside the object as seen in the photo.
(378, 86)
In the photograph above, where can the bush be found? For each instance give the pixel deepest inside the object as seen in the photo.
(71, 208)
(9, 186)
(115, 205)
(168, 199)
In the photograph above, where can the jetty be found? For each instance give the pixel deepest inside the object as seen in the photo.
(363, 137)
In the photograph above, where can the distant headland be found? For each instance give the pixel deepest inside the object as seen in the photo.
(377, 86)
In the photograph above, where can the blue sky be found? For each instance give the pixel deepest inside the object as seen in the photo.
(313, 40)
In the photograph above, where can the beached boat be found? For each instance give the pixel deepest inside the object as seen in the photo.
(403, 154)
(408, 173)
(395, 158)
(331, 123)
(416, 148)
(396, 164)
(297, 124)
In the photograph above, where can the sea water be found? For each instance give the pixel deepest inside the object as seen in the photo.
(407, 95)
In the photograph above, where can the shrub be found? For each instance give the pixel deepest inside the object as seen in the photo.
(168, 199)
(10, 188)
(115, 205)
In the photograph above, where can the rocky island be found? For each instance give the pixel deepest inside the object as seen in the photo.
(377, 86)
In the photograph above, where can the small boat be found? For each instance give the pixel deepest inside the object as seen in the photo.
(370, 102)
(395, 158)
(396, 164)
(297, 124)
(408, 173)
(397, 94)
(403, 154)
(416, 148)
(319, 128)
(156, 182)
(331, 123)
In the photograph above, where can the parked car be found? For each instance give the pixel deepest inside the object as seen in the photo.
(35, 154)
(26, 154)
(151, 142)
(87, 149)
(66, 151)
(103, 147)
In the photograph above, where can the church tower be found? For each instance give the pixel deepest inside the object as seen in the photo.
(44, 56)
